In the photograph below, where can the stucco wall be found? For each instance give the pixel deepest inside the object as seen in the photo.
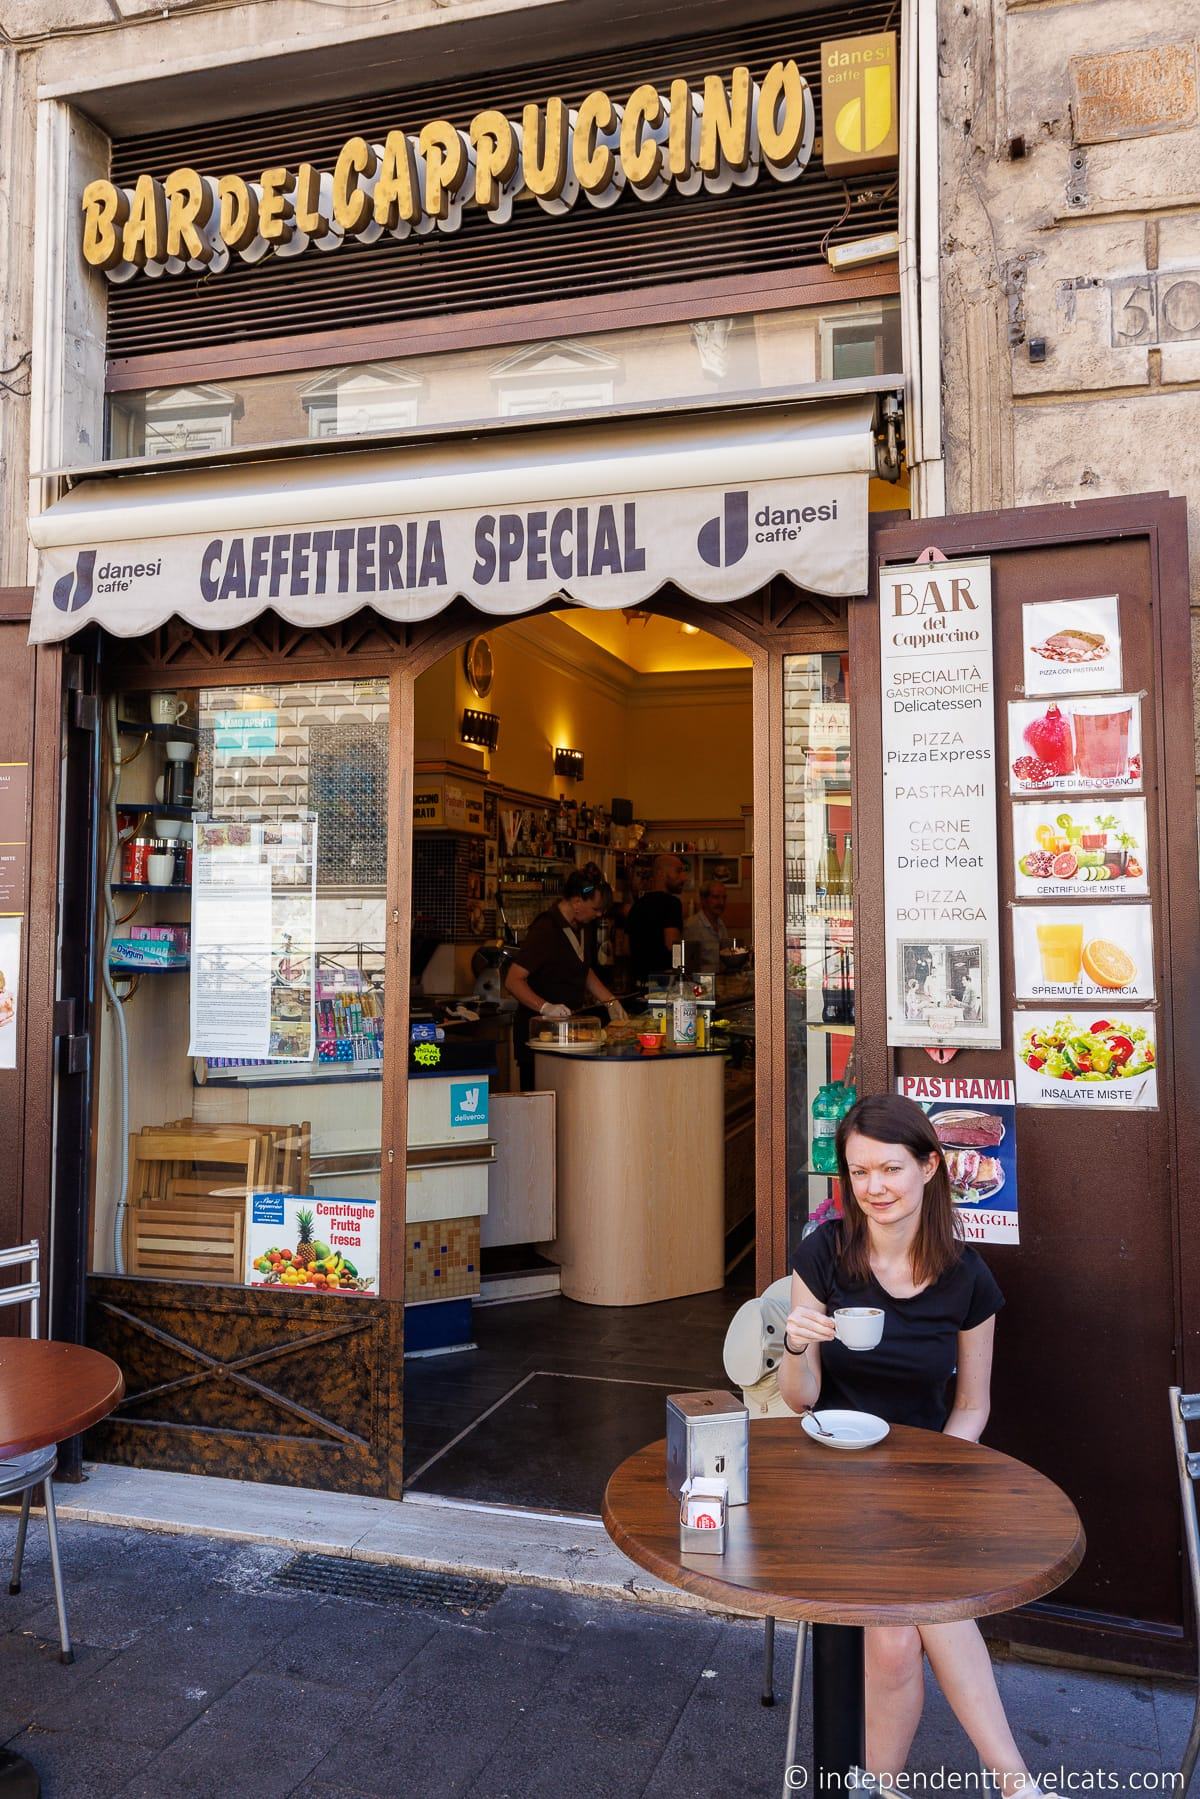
(1070, 173)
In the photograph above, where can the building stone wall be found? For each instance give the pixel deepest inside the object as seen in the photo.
(1069, 139)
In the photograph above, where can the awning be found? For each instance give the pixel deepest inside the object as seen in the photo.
(601, 515)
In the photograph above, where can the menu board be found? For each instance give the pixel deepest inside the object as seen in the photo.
(253, 939)
(1093, 849)
(325, 1245)
(941, 904)
(1072, 646)
(976, 1124)
(1106, 1060)
(1076, 746)
(1083, 952)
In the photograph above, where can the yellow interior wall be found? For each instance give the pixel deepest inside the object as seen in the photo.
(674, 761)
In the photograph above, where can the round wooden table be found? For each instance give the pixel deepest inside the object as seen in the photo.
(921, 1529)
(48, 1392)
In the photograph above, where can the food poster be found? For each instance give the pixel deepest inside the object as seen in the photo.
(317, 1244)
(253, 939)
(976, 1124)
(1087, 1058)
(1075, 746)
(1086, 850)
(941, 853)
(10, 977)
(1083, 952)
(1072, 646)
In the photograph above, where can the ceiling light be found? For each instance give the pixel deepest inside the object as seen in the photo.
(480, 728)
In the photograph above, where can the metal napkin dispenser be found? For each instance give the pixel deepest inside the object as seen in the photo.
(708, 1438)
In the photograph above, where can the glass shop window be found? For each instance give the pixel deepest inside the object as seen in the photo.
(243, 886)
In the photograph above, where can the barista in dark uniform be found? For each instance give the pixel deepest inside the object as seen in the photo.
(552, 974)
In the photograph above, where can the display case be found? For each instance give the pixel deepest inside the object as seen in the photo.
(819, 929)
(582, 1034)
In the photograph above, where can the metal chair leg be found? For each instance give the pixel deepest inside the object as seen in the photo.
(768, 1692)
(1188, 1765)
(14, 1585)
(66, 1654)
(794, 1711)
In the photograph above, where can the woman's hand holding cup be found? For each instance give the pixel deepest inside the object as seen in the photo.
(805, 1326)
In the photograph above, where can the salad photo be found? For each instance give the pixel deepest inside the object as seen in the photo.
(1093, 1060)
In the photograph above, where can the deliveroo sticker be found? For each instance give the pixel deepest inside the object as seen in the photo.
(468, 1102)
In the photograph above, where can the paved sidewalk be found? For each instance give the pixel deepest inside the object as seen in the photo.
(199, 1673)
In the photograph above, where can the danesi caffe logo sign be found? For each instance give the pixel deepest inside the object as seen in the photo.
(717, 136)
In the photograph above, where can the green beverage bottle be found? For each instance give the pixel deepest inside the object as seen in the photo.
(826, 1110)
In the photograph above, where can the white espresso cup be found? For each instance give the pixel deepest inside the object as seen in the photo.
(166, 708)
(858, 1327)
(161, 870)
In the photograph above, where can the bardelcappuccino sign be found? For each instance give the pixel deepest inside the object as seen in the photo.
(605, 551)
(717, 136)
(940, 881)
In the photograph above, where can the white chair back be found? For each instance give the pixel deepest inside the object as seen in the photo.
(26, 1292)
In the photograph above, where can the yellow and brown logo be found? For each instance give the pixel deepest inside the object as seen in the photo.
(859, 105)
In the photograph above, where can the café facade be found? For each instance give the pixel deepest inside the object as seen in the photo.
(343, 392)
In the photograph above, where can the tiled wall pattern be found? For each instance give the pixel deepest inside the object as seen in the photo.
(329, 756)
(441, 1260)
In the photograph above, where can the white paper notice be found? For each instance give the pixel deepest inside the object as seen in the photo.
(940, 840)
(1072, 646)
(10, 978)
(231, 952)
(1083, 952)
(1090, 1059)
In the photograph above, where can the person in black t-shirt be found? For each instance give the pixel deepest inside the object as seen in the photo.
(655, 920)
(552, 974)
(898, 1248)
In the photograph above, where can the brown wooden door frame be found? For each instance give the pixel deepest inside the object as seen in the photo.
(1099, 534)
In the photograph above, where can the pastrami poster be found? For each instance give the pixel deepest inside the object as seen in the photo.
(976, 1125)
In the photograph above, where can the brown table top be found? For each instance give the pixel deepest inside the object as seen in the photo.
(921, 1529)
(50, 1391)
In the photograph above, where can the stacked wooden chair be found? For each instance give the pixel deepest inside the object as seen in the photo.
(186, 1215)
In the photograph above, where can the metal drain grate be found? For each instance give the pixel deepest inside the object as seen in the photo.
(376, 1583)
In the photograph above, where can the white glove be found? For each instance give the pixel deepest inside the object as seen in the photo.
(616, 1010)
(549, 1011)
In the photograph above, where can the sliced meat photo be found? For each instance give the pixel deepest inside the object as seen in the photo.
(968, 1130)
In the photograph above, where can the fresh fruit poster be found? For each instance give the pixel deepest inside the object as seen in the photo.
(1091, 849)
(1106, 1060)
(940, 849)
(1083, 952)
(1075, 746)
(1072, 646)
(976, 1124)
(315, 1245)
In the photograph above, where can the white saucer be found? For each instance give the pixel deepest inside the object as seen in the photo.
(851, 1430)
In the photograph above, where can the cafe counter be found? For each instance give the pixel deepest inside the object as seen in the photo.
(641, 1172)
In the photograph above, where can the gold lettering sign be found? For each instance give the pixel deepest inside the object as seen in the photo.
(719, 134)
(859, 105)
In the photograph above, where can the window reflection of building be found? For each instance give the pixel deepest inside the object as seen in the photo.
(555, 377)
(355, 402)
(188, 418)
(853, 346)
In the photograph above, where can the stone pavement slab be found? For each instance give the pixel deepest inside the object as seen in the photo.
(201, 1675)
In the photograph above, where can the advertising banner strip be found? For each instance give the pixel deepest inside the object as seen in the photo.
(941, 902)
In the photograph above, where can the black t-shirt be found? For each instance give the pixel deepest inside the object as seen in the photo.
(556, 972)
(905, 1378)
(649, 917)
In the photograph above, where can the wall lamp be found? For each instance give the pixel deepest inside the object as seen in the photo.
(481, 728)
(569, 763)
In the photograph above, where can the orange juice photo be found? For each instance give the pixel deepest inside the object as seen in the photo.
(1061, 948)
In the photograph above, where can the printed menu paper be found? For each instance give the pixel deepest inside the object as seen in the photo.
(1075, 746)
(1089, 1059)
(1089, 850)
(324, 1244)
(10, 978)
(940, 841)
(253, 939)
(1072, 646)
(1083, 952)
(976, 1124)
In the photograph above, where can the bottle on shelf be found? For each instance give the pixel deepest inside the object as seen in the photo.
(847, 892)
(827, 1109)
(827, 881)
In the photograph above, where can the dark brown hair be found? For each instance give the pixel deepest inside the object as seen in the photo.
(890, 1118)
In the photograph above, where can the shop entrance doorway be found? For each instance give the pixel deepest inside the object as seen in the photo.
(584, 786)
